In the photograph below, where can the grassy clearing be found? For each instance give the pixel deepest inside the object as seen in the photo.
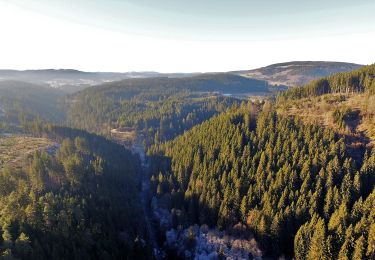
(14, 149)
(124, 135)
(352, 115)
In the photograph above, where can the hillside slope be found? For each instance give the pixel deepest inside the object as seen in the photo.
(292, 184)
(297, 73)
(77, 201)
(299, 174)
(350, 115)
(344, 102)
(21, 100)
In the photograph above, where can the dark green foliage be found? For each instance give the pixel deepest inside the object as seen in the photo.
(80, 203)
(288, 181)
(21, 101)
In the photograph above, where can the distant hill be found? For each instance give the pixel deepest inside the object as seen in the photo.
(359, 80)
(215, 82)
(285, 74)
(70, 80)
(297, 73)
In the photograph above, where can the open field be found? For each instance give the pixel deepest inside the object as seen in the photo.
(359, 127)
(124, 135)
(15, 148)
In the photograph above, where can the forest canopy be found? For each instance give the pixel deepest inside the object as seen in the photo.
(78, 202)
(292, 184)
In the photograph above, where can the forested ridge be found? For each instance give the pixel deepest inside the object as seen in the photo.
(22, 101)
(157, 120)
(296, 73)
(356, 81)
(80, 202)
(159, 108)
(292, 184)
(219, 82)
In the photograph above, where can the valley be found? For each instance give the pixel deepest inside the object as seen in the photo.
(187, 130)
(181, 169)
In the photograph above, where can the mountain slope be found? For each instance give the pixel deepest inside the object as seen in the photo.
(297, 73)
(287, 182)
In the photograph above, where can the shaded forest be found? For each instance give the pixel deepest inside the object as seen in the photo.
(80, 202)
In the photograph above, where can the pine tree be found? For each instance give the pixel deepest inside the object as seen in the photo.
(23, 246)
(359, 249)
(318, 248)
(244, 208)
(7, 237)
(371, 241)
(344, 253)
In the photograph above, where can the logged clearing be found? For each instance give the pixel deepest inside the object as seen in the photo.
(124, 135)
(14, 149)
(357, 121)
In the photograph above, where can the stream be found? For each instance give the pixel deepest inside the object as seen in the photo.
(138, 148)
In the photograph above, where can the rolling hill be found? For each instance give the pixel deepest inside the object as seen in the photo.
(297, 73)
(285, 74)
(70, 80)
(215, 82)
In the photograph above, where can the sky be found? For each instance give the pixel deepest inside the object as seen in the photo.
(182, 35)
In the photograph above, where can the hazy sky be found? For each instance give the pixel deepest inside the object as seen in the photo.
(182, 36)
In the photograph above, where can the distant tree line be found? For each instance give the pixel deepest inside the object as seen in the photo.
(357, 81)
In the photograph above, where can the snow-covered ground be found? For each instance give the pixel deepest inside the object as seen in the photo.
(202, 242)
